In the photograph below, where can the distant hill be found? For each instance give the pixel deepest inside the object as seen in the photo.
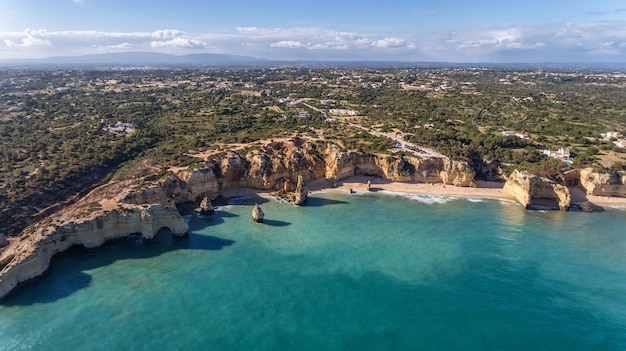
(138, 59)
(159, 59)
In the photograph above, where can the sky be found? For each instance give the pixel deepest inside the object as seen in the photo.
(389, 30)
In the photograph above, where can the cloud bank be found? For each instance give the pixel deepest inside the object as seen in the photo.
(600, 41)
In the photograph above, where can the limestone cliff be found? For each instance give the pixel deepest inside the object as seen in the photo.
(278, 165)
(535, 192)
(30, 256)
(341, 164)
(121, 208)
(603, 184)
(301, 192)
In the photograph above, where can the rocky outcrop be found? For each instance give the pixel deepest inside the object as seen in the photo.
(150, 195)
(301, 192)
(257, 214)
(535, 192)
(603, 184)
(279, 165)
(126, 207)
(206, 207)
(342, 164)
(30, 256)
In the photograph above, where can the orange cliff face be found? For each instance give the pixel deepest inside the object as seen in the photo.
(30, 256)
(535, 192)
(603, 184)
(119, 209)
(280, 163)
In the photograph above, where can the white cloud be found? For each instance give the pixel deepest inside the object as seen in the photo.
(179, 42)
(28, 39)
(287, 44)
(121, 46)
(589, 41)
(387, 43)
(78, 2)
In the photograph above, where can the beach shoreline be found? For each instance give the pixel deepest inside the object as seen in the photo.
(358, 184)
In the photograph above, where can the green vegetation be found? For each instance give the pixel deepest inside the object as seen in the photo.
(58, 134)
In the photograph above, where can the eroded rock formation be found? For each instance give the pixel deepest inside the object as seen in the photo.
(603, 184)
(122, 208)
(301, 192)
(342, 164)
(30, 256)
(257, 214)
(206, 207)
(278, 166)
(535, 192)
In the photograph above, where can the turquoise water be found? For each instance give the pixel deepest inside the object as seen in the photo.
(362, 272)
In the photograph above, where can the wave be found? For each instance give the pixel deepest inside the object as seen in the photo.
(423, 198)
(620, 208)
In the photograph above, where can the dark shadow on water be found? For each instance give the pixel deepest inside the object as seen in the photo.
(66, 274)
(275, 223)
(316, 201)
(202, 242)
(211, 220)
(248, 200)
(373, 189)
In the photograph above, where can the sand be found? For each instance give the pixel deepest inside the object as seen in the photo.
(483, 189)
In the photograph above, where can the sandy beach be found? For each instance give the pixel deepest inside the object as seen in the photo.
(483, 189)
(491, 190)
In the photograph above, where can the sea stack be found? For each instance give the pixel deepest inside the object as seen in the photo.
(206, 207)
(257, 214)
(301, 192)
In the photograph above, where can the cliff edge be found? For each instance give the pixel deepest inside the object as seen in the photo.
(89, 223)
(603, 184)
(534, 192)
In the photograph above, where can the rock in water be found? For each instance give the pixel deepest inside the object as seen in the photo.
(3, 240)
(206, 207)
(257, 214)
(369, 185)
(302, 192)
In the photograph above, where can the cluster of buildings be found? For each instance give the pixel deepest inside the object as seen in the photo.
(514, 133)
(122, 127)
(619, 138)
(343, 112)
(563, 154)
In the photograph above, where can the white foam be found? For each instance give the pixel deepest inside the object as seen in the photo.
(620, 208)
(423, 198)
(475, 199)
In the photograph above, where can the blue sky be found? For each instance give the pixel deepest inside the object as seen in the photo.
(446, 30)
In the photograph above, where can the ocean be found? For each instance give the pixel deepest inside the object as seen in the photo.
(377, 271)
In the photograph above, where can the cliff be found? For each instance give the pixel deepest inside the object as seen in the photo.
(603, 184)
(122, 208)
(535, 192)
(279, 165)
(342, 164)
(30, 257)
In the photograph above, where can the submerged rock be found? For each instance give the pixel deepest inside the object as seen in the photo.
(586, 206)
(206, 207)
(257, 214)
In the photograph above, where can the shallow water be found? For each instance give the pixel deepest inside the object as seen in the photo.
(364, 272)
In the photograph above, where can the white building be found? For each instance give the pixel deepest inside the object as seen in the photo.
(562, 153)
